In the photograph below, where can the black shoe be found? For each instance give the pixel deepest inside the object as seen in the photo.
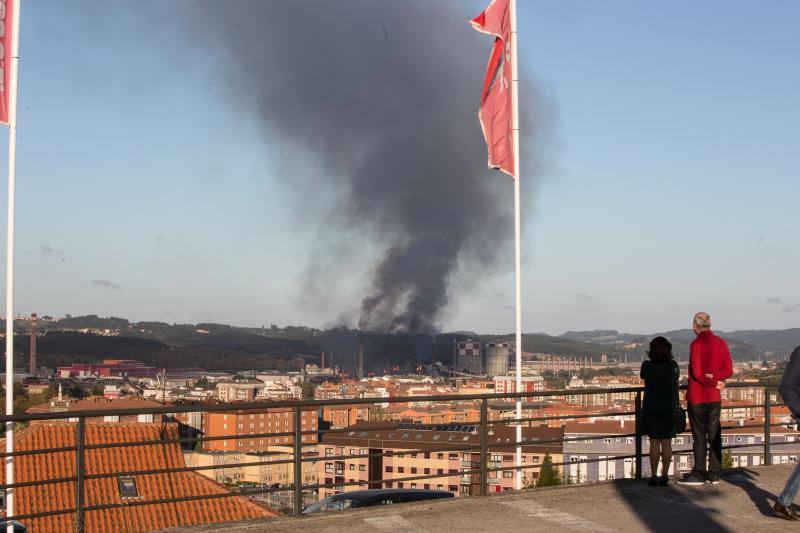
(691, 480)
(786, 513)
(653, 481)
(663, 481)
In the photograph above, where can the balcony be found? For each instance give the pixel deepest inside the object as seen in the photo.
(96, 486)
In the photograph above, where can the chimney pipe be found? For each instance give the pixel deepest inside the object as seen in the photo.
(32, 362)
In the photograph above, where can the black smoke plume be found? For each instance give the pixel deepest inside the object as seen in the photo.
(382, 95)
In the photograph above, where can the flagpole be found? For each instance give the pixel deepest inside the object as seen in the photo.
(517, 238)
(12, 176)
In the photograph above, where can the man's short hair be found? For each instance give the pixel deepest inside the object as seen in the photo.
(702, 321)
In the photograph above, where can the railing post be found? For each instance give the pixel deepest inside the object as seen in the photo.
(80, 472)
(484, 447)
(767, 428)
(298, 461)
(638, 441)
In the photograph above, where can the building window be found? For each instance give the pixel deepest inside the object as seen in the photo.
(390, 469)
(413, 485)
(401, 469)
(362, 468)
(400, 485)
(413, 469)
(127, 487)
(440, 471)
(426, 471)
(440, 456)
(352, 467)
(508, 474)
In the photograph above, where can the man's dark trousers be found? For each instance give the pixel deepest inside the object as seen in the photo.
(704, 419)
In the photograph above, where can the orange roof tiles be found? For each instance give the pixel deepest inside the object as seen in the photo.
(103, 491)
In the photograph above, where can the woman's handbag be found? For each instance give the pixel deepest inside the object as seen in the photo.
(680, 419)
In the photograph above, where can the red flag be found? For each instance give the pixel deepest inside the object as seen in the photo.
(6, 25)
(495, 110)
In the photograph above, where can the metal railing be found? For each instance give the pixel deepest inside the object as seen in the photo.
(483, 450)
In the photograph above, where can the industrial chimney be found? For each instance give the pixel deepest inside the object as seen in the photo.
(360, 363)
(32, 331)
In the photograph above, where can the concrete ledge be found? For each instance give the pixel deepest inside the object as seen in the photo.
(741, 502)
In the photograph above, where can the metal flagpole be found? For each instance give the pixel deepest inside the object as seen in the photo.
(517, 231)
(12, 175)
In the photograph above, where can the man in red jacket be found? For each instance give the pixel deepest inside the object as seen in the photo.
(709, 366)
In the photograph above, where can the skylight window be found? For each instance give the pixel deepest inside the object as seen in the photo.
(127, 487)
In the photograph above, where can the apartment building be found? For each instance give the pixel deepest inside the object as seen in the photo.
(508, 384)
(238, 467)
(608, 442)
(436, 456)
(239, 424)
(342, 416)
(240, 390)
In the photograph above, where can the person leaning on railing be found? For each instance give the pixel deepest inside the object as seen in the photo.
(660, 375)
(790, 392)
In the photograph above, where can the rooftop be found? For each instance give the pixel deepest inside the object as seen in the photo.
(740, 503)
(109, 490)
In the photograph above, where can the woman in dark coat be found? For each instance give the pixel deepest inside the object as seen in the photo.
(660, 375)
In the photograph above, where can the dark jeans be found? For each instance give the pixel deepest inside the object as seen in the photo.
(704, 419)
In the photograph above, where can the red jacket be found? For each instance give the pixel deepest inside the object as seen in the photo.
(708, 354)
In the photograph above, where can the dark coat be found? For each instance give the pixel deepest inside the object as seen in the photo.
(790, 384)
(660, 398)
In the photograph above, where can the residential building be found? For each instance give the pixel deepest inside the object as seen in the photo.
(342, 416)
(246, 390)
(508, 384)
(436, 455)
(607, 442)
(260, 423)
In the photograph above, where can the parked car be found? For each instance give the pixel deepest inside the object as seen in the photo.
(18, 528)
(368, 498)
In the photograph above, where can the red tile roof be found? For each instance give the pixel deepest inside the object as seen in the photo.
(57, 496)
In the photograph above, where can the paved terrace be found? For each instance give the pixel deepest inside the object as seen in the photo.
(741, 502)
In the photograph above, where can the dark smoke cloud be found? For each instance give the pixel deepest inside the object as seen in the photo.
(382, 95)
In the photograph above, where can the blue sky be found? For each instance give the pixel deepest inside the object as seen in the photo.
(672, 181)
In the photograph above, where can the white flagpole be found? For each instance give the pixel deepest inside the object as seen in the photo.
(517, 231)
(12, 176)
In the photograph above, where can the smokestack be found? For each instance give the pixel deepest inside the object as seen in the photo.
(433, 355)
(360, 363)
(32, 362)
(322, 361)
